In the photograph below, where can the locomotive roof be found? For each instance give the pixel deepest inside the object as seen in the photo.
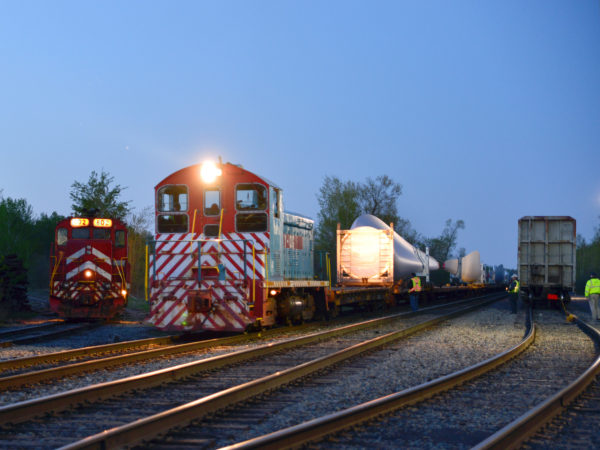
(229, 166)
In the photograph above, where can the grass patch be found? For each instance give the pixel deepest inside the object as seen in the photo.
(138, 304)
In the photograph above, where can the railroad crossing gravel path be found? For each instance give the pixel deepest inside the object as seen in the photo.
(456, 344)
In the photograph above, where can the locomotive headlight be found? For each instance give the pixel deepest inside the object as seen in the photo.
(273, 292)
(124, 292)
(209, 172)
(87, 273)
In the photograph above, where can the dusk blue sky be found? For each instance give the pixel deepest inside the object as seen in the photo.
(484, 111)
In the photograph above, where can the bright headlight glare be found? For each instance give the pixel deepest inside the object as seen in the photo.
(87, 273)
(209, 172)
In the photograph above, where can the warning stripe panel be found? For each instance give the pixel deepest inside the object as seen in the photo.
(175, 256)
(229, 313)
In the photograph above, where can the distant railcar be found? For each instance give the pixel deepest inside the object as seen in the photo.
(547, 258)
(226, 257)
(89, 270)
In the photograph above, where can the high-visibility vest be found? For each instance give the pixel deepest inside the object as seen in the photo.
(416, 285)
(592, 286)
(515, 288)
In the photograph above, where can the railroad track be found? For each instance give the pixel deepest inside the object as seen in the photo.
(37, 333)
(470, 412)
(18, 372)
(216, 382)
(572, 413)
(57, 365)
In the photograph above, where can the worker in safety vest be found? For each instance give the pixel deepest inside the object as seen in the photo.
(513, 290)
(414, 292)
(592, 292)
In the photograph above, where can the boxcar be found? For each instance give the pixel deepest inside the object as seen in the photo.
(547, 257)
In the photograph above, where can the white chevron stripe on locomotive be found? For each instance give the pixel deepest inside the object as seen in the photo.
(88, 265)
(88, 249)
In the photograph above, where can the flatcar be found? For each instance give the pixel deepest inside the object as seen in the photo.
(226, 256)
(89, 270)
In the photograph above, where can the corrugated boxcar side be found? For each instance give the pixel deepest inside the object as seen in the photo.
(547, 251)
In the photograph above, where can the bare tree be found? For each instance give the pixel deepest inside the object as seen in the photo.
(379, 196)
(441, 247)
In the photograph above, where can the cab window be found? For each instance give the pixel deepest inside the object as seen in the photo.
(212, 203)
(120, 238)
(101, 233)
(172, 223)
(251, 223)
(173, 198)
(61, 236)
(250, 197)
(80, 233)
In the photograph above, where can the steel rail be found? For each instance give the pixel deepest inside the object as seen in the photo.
(518, 431)
(40, 333)
(149, 427)
(317, 429)
(29, 329)
(21, 411)
(38, 376)
(28, 361)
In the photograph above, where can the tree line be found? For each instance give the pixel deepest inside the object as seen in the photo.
(29, 238)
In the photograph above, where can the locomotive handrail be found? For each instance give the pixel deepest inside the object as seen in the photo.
(146, 274)
(54, 270)
(217, 241)
(121, 271)
(266, 265)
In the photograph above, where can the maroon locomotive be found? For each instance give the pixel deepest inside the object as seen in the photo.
(89, 271)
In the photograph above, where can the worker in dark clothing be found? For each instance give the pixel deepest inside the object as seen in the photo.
(513, 290)
(414, 292)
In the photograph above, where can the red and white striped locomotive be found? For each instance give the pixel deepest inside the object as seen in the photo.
(226, 256)
(89, 271)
